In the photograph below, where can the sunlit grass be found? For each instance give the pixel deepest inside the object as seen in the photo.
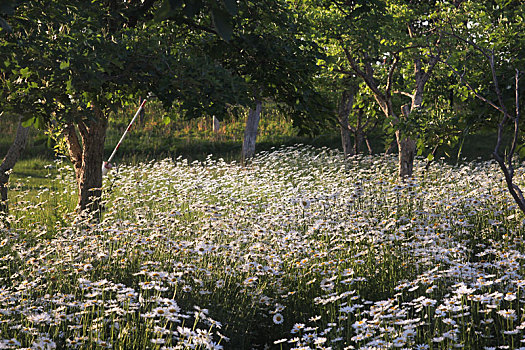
(301, 249)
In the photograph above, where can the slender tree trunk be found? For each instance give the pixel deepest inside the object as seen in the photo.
(250, 132)
(12, 156)
(87, 157)
(216, 125)
(345, 106)
(359, 133)
(359, 137)
(368, 146)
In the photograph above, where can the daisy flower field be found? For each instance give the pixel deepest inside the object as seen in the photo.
(301, 249)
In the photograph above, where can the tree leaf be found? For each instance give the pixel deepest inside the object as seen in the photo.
(39, 123)
(64, 65)
(28, 122)
(222, 24)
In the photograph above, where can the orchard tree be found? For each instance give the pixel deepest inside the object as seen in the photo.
(77, 66)
(269, 50)
(341, 89)
(75, 62)
(489, 49)
(390, 45)
(7, 8)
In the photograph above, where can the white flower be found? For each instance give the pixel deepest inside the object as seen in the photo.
(278, 318)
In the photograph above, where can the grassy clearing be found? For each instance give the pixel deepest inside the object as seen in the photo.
(299, 250)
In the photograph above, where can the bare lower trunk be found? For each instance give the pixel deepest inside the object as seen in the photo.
(405, 144)
(250, 132)
(345, 106)
(216, 125)
(359, 133)
(407, 152)
(358, 143)
(87, 159)
(12, 156)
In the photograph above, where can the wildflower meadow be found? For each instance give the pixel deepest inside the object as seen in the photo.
(301, 249)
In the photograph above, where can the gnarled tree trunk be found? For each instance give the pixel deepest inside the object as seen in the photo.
(12, 156)
(250, 132)
(87, 157)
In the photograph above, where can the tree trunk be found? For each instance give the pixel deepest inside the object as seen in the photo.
(345, 106)
(407, 149)
(12, 156)
(368, 146)
(359, 137)
(359, 133)
(250, 132)
(87, 158)
(216, 125)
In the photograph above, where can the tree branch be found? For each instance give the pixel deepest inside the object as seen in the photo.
(471, 88)
(390, 77)
(516, 125)
(368, 78)
(403, 93)
(470, 42)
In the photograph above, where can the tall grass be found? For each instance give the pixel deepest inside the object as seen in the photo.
(299, 250)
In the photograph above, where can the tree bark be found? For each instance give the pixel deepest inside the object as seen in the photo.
(216, 125)
(359, 132)
(87, 157)
(407, 149)
(345, 106)
(250, 132)
(74, 148)
(368, 146)
(12, 156)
